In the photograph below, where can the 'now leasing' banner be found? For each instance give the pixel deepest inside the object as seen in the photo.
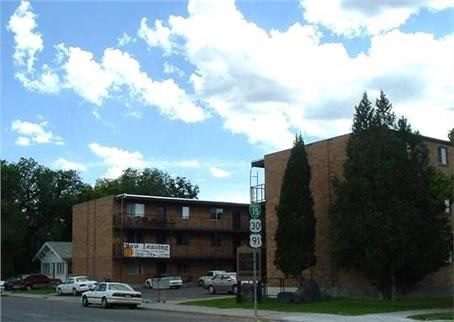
(146, 250)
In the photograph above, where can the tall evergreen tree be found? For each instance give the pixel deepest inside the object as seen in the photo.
(387, 221)
(295, 234)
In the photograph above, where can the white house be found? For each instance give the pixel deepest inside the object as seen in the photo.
(55, 258)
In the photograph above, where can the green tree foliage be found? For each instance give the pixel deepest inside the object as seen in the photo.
(36, 207)
(388, 221)
(147, 182)
(37, 204)
(451, 136)
(295, 234)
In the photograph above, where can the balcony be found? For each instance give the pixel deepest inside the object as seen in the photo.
(189, 251)
(258, 193)
(172, 223)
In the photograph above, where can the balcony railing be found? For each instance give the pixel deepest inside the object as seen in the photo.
(177, 251)
(258, 193)
(190, 224)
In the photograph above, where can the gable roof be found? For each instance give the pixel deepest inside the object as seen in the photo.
(63, 250)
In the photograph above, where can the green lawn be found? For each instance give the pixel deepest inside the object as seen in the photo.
(343, 306)
(449, 316)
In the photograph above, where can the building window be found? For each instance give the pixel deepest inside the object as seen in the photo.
(442, 155)
(216, 239)
(182, 240)
(46, 268)
(136, 209)
(183, 268)
(217, 213)
(134, 267)
(447, 206)
(185, 213)
(60, 268)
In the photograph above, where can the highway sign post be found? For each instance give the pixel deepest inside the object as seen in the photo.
(255, 241)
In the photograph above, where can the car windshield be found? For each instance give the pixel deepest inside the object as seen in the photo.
(120, 287)
(82, 279)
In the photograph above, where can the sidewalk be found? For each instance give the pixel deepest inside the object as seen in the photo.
(263, 315)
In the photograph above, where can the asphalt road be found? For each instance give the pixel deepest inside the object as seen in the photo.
(15, 309)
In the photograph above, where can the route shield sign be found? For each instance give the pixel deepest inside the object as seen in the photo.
(255, 225)
(255, 240)
(255, 210)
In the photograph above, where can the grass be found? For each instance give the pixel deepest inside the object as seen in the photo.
(342, 306)
(449, 316)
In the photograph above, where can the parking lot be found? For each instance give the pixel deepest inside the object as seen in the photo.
(189, 291)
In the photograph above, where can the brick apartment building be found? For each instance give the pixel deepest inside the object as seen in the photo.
(326, 159)
(131, 238)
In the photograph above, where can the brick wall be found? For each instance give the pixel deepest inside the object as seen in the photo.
(92, 238)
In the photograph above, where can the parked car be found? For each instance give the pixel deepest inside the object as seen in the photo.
(222, 282)
(165, 281)
(13, 283)
(30, 281)
(208, 276)
(107, 294)
(75, 285)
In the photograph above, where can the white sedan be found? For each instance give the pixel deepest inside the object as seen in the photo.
(170, 281)
(75, 285)
(107, 294)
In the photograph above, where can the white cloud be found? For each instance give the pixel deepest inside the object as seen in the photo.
(268, 85)
(172, 69)
(46, 82)
(354, 18)
(23, 141)
(34, 133)
(159, 36)
(85, 76)
(124, 40)
(219, 173)
(64, 164)
(77, 69)
(27, 42)
(116, 160)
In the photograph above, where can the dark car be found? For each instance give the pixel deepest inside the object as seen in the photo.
(13, 283)
(28, 282)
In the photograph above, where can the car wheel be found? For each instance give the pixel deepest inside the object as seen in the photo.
(234, 289)
(59, 292)
(149, 284)
(84, 301)
(74, 292)
(133, 306)
(104, 303)
(211, 289)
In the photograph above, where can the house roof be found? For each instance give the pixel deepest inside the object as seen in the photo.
(63, 250)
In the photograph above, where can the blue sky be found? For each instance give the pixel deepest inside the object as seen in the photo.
(201, 88)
